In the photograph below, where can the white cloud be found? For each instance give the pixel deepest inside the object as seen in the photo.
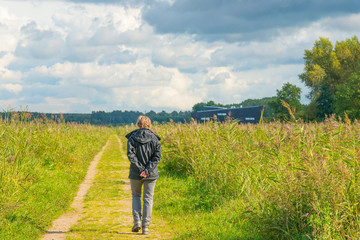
(40, 44)
(128, 83)
(59, 105)
(37, 11)
(183, 52)
(10, 76)
(7, 75)
(9, 24)
(13, 88)
(8, 41)
(156, 98)
(94, 17)
(349, 23)
(6, 60)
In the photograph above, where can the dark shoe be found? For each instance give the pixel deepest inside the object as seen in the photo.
(145, 230)
(136, 227)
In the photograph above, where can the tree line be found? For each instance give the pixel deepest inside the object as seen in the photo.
(115, 118)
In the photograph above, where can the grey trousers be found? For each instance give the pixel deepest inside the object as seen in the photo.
(149, 187)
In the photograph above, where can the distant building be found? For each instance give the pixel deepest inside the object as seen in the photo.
(243, 114)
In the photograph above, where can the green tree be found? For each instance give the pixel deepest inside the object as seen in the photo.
(261, 102)
(198, 106)
(326, 68)
(324, 102)
(321, 66)
(290, 94)
(347, 97)
(348, 55)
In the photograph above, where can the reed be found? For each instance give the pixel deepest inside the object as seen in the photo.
(271, 181)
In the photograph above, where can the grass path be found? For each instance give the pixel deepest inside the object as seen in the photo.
(107, 205)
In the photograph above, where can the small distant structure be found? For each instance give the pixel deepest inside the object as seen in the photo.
(252, 114)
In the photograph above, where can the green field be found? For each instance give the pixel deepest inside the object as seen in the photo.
(41, 166)
(218, 180)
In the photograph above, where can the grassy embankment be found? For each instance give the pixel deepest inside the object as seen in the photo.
(270, 181)
(42, 164)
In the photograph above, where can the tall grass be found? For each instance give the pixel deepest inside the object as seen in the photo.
(42, 162)
(270, 181)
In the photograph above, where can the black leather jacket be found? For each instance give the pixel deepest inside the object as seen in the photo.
(144, 153)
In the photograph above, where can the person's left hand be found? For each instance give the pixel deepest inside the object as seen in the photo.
(143, 174)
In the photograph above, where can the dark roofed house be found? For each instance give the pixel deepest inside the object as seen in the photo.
(252, 114)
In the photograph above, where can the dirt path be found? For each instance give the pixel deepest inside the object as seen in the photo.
(63, 224)
(103, 208)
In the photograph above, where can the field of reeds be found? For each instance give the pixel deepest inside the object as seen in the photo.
(217, 180)
(270, 181)
(42, 163)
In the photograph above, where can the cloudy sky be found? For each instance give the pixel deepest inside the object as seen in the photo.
(89, 55)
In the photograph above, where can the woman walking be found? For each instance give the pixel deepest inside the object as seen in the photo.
(144, 153)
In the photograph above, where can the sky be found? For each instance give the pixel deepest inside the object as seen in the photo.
(78, 56)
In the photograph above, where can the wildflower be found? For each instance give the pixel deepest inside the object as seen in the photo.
(11, 159)
(307, 214)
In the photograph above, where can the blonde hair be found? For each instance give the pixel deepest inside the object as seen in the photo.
(143, 122)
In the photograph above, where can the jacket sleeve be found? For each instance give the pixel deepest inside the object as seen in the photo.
(131, 153)
(155, 159)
